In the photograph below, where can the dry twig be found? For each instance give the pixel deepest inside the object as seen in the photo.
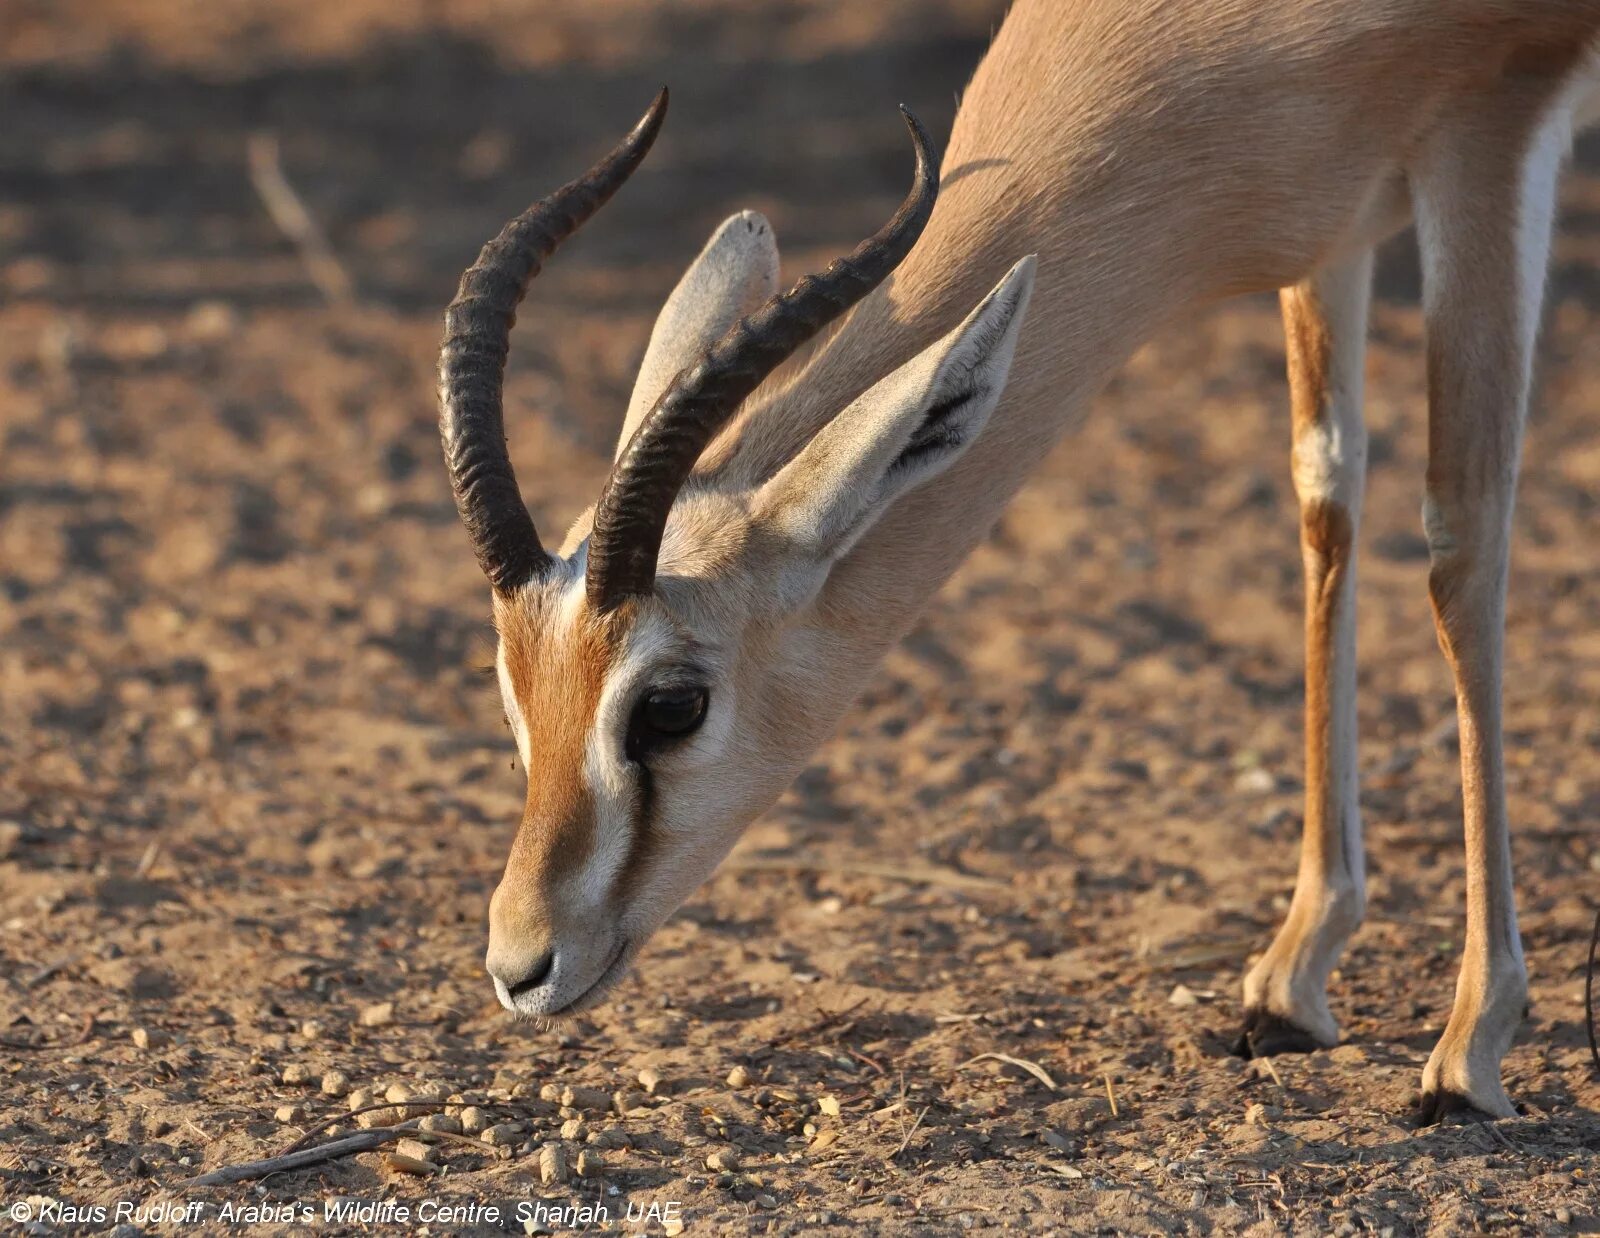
(347, 1145)
(1033, 1068)
(913, 874)
(904, 1143)
(295, 221)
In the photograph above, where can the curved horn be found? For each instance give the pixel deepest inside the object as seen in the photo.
(632, 513)
(472, 360)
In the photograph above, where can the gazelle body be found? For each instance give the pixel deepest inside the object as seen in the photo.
(1115, 164)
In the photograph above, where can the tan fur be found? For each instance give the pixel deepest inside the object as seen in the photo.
(1157, 156)
(557, 671)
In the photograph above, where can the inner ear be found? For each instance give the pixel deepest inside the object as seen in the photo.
(943, 429)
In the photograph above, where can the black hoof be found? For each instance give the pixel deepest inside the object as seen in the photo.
(1266, 1035)
(1449, 1106)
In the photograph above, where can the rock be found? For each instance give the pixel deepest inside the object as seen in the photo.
(1056, 1140)
(595, 1100)
(765, 1201)
(503, 1134)
(415, 1149)
(828, 1106)
(148, 1038)
(335, 1083)
(1182, 995)
(590, 1164)
(296, 1072)
(444, 1123)
(1261, 1115)
(374, 1118)
(360, 1098)
(629, 1101)
(402, 1093)
(313, 1029)
(290, 1114)
(551, 1092)
(1256, 781)
(552, 1164)
(401, 1163)
(649, 1080)
(574, 1129)
(379, 1015)
(738, 1077)
(724, 1160)
(475, 1121)
(824, 1139)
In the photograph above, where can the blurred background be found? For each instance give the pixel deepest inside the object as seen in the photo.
(254, 791)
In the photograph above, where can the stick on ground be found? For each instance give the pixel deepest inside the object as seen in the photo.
(295, 221)
(347, 1145)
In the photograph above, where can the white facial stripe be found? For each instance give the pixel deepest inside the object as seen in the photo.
(508, 698)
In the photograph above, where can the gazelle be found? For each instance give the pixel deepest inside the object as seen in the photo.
(769, 529)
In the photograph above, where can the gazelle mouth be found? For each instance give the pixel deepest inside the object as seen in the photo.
(602, 985)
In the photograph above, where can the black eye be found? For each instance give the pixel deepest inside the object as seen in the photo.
(663, 714)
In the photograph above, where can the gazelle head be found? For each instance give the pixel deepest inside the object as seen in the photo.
(667, 673)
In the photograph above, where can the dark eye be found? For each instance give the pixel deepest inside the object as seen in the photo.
(665, 714)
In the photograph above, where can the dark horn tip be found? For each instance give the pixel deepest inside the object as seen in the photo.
(920, 139)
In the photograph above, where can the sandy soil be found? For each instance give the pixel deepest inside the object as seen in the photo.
(254, 788)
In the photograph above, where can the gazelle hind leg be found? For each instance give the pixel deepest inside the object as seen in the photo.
(1484, 191)
(1285, 993)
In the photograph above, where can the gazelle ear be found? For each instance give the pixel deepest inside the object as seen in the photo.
(903, 430)
(735, 272)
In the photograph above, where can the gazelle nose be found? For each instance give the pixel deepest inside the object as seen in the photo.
(530, 979)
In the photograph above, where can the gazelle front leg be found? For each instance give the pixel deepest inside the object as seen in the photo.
(1285, 994)
(1484, 192)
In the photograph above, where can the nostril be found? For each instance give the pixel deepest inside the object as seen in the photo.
(535, 976)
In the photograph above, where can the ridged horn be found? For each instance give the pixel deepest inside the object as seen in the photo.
(472, 359)
(632, 513)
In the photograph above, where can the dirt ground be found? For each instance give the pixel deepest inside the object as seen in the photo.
(255, 791)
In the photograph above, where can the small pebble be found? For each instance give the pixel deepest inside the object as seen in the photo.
(672, 1226)
(289, 1114)
(296, 1072)
(629, 1101)
(313, 1029)
(724, 1160)
(503, 1134)
(575, 1129)
(649, 1080)
(589, 1164)
(552, 1164)
(1182, 995)
(335, 1083)
(475, 1121)
(551, 1092)
(402, 1163)
(415, 1149)
(824, 1139)
(148, 1038)
(594, 1099)
(828, 1105)
(444, 1123)
(379, 1015)
(738, 1077)
(360, 1098)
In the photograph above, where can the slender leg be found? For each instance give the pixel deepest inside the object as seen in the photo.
(1484, 190)
(1285, 994)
